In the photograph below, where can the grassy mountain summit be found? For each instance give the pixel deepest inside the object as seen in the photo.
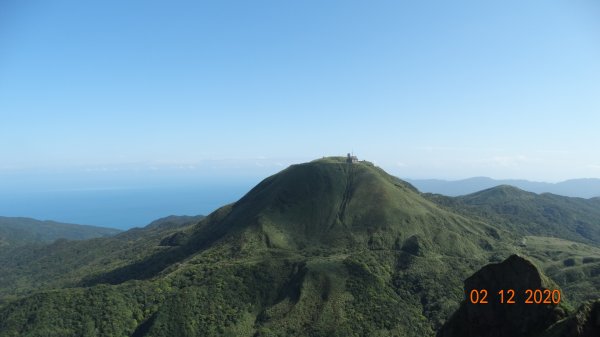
(329, 203)
(325, 248)
(582, 188)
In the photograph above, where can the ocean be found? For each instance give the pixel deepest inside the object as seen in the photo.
(121, 208)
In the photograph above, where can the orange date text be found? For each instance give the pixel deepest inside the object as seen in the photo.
(510, 296)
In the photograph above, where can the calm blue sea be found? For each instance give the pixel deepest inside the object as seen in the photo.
(120, 207)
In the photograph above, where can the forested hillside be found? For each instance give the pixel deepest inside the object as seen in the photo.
(325, 248)
(19, 231)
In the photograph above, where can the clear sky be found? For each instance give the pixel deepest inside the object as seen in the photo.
(425, 89)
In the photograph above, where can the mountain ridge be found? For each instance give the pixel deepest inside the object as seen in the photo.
(16, 231)
(582, 188)
(529, 213)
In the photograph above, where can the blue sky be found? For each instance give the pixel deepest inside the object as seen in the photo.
(425, 89)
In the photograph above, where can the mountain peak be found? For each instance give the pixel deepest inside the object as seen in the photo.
(507, 189)
(327, 198)
(330, 203)
(498, 193)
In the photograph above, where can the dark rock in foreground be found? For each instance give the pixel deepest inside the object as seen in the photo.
(584, 323)
(496, 319)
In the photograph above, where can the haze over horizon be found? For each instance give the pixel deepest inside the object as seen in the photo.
(237, 89)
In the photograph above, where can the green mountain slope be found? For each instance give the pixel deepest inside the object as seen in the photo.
(20, 231)
(175, 221)
(332, 204)
(527, 213)
(64, 263)
(582, 188)
(575, 266)
(323, 248)
(561, 234)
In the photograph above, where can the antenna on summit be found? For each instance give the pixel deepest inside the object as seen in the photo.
(351, 159)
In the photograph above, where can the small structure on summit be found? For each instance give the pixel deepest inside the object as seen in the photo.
(351, 159)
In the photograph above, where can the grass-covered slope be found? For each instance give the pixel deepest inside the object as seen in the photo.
(526, 213)
(175, 221)
(328, 203)
(65, 263)
(323, 248)
(320, 249)
(561, 234)
(20, 231)
(575, 266)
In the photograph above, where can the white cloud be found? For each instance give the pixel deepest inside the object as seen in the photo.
(454, 149)
(508, 161)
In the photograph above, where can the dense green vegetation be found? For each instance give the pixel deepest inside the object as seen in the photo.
(320, 249)
(526, 213)
(561, 234)
(20, 231)
(573, 265)
(66, 263)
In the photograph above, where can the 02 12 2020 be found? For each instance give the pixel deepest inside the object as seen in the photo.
(509, 296)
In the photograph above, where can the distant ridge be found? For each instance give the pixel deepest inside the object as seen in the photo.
(581, 188)
(175, 221)
(16, 231)
(529, 213)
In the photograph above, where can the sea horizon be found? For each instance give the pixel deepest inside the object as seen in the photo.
(120, 207)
